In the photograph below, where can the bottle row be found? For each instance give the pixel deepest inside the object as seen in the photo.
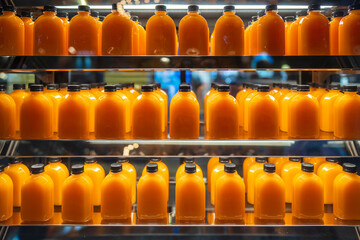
(51, 34)
(118, 191)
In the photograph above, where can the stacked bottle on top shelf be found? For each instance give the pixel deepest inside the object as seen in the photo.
(118, 34)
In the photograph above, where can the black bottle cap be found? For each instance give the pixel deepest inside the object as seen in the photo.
(335, 87)
(271, 7)
(160, 8)
(214, 85)
(36, 88)
(63, 14)
(184, 88)
(230, 167)
(114, 6)
(269, 168)
(314, 6)
(95, 14)
(338, 13)
(15, 160)
(301, 13)
(9, 8)
(307, 167)
(261, 159)
(135, 18)
(193, 8)
(158, 85)
(224, 160)
(189, 160)
(355, 6)
(350, 88)
(349, 167)
(26, 14)
(190, 168)
(303, 88)
(130, 85)
(37, 168)
(2, 88)
(52, 86)
(85, 86)
(90, 160)
(49, 8)
(278, 85)
(263, 88)
(84, 8)
(314, 85)
(116, 167)
(77, 169)
(229, 8)
(289, 19)
(254, 18)
(54, 160)
(223, 88)
(147, 88)
(73, 88)
(63, 85)
(18, 86)
(110, 88)
(122, 160)
(261, 13)
(295, 159)
(152, 167)
(332, 160)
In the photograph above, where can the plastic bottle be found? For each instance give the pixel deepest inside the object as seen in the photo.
(116, 194)
(284, 108)
(292, 37)
(37, 207)
(162, 96)
(8, 116)
(308, 198)
(254, 34)
(229, 33)
(240, 97)
(29, 32)
(96, 15)
(216, 173)
(271, 32)
(142, 36)
(53, 93)
(123, 92)
(162, 170)
(77, 192)
(190, 197)
(58, 173)
(193, 33)
(349, 38)
(97, 174)
(288, 21)
(327, 103)
(288, 172)
(65, 18)
(245, 106)
(6, 192)
(334, 32)
(245, 168)
(180, 172)
(269, 202)
(254, 170)
(130, 170)
(210, 166)
(328, 172)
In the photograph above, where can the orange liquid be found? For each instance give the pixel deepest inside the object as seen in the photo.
(126, 94)
(253, 172)
(246, 165)
(142, 39)
(18, 95)
(97, 174)
(279, 163)
(180, 172)
(245, 108)
(56, 99)
(334, 35)
(240, 97)
(29, 35)
(254, 38)
(92, 104)
(288, 172)
(6, 200)
(319, 93)
(292, 38)
(13, 28)
(206, 108)
(18, 173)
(284, 110)
(66, 29)
(163, 171)
(349, 40)
(314, 34)
(135, 45)
(130, 170)
(328, 172)
(37, 198)
(99, 23)
(58, 173)
(287, 46)
(212, 44)
(8, 116)
(247, 41)
(165, 103)
(316, 161)
(217, 172)
(229, 35)
(210, 167)
(193, 35)
(327, 110)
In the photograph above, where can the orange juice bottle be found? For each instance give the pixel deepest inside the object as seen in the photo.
(269, 202)
(165, 104)
(288, 21)
(328, 172)
(229, 33)
(271, 32)
(53, 93)
(13, 28)
(346, 194)
(263, 115)
(49, 34)
(223, 115)
(18, 173)
(190, 197)
(152, 195)
(117, 42)
(334, 32)
(327, 108)
(65, 18)
(83, 33)
(130, 170)
(6, 192)
(162, 170)
(216, 173)
(349, 39)
(245, 106)
(74, 112)
(95, 15)
(97, 174)
(288, 172)
(116, 205)
(210, 166)
(320, 90)
(85, 91)
(254, 170)
(18, 95)
(36, 115)
(180, 172)
(142, 36)
(241, 97)
(230, 196)
(58, 173)
(254, 34)
(308, 198)
(284, 108)
(293, 33)
(147, 120)
(77, 196)
(303, 114)
(314, 33)
(193, 33)
(8, 115)
(37, 207)
(316, 161)
(347, 114)
(29, 32)
(63, 89)
(245, 168)
(184, 115)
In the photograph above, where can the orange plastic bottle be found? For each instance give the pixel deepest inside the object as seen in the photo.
(303, 114)
(77, 192)
(116, 205)
(97, 174)
(328, 172)
(74, 115)
(29, 32)
(12, 32)
(327, 108)
(162, 170)
(180, 172)
(190, 197)
(65, 18)
(288, 21)
(223, 115)
(245, 168)
(142, 36)
(130, 170)
(83, 33)
(316, 161)
(334, 32)
(37, 207)
(210, 166)
(163, 97)
(184, 115)
(229, 33)
(152, 196)
(36, 115)
(254, 170)
(347, 194)
(271, 32)
(96, 15)
(216, 173)
(288, 172)
(269, 202)
(193, 33)
(8, 115)
(230, 196)
(292, 37)
(349, 40)
(308, 198)
(147, 120)
(6, 192)
(53, 93)
(314, 33)
(49, 34)
(58, 173)
(264, 114)
(18, 95)
(347, 114)
(284, 108)
(85, 90)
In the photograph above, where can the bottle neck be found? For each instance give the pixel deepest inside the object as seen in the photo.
(48, 13)
(110, 93)
(160, 13)
(72, 93)
(84, 13)
(147, 93)
(223, 93)
(229, 13)
(36, 92)
(193, 13)
(317, 12)
(271, 12)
